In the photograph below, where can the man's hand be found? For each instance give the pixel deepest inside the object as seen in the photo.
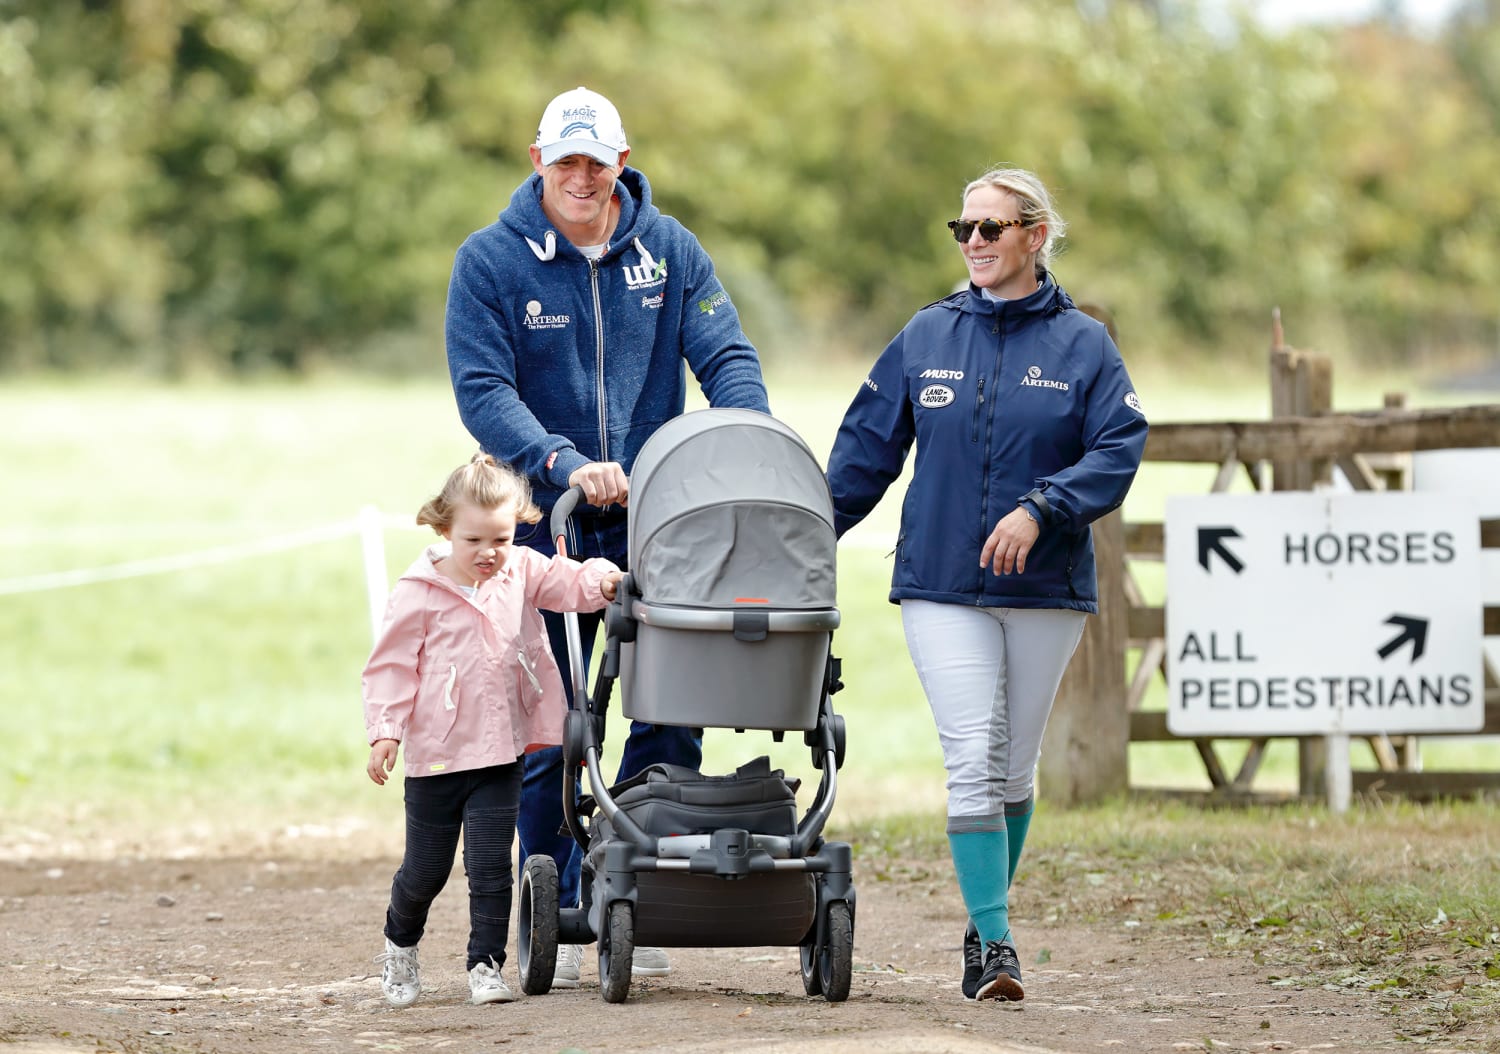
(1006, 547)
(603, 482)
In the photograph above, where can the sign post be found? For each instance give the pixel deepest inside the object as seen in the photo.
(1323, 614)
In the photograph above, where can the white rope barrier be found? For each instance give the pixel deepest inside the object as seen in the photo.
(85, 576)
(369, 525)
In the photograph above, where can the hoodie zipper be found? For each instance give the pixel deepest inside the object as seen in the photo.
(599, 359)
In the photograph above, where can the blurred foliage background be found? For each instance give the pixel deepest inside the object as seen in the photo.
(228, 186)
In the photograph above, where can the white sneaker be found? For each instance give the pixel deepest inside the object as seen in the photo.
(487, 986)
(401, 977)
(569, 960)
(650, 962)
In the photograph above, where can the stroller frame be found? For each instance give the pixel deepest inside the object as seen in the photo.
(733, 887)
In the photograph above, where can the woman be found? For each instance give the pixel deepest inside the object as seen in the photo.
(1027, 430)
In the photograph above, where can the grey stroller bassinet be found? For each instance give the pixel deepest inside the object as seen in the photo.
(725, 621)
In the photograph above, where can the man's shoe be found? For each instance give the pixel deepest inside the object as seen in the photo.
(569, 960)
(650, 962)
(487, 986)
(401, 974)
(1002, 973)
(973, 961)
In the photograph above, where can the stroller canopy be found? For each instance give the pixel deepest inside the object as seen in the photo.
(728, 508)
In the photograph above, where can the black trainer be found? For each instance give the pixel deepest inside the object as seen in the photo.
(973, 961)
(1002, 973)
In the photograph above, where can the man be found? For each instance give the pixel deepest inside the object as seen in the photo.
(568, 323)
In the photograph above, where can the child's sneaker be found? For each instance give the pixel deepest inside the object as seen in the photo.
(569, 960)
(650, 962)
(1002, 973)
(487, 986)
(401, 977)
(973, 961)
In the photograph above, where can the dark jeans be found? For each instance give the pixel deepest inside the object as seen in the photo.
(483, 803)
(542, 790)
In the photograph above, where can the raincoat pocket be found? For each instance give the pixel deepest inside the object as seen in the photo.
(441, 693)
(528, 671)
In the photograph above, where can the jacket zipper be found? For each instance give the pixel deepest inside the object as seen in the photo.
(989, 427)
(599, 359)
(978, 410)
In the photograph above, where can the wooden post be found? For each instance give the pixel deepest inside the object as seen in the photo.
(1302, 386)
(1086, 751)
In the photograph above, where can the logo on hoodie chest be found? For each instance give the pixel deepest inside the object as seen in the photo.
(535, 319)
(648, 274)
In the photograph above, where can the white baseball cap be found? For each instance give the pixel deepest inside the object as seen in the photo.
(581, 122)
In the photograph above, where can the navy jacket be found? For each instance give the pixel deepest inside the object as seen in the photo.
(557, 361)
(1004, 400)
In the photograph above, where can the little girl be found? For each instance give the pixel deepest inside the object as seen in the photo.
(463, 675)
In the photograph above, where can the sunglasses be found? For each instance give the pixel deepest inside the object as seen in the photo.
(989, 229)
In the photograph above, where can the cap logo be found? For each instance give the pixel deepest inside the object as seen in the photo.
(569, 130)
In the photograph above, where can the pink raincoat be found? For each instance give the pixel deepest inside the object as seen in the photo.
(468, 683)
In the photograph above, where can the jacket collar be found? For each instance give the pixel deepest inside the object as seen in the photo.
(1049, 299)
(525, 217)
(424, 569)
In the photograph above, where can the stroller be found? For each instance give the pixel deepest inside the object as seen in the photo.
(726, 621)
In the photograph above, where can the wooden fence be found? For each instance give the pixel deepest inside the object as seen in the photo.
(1098, 713)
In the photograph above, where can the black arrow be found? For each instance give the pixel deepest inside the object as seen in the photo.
(1412, 629)
(1211, 540)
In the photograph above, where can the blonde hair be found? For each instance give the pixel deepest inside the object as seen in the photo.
(1035, 206)
(484, 483)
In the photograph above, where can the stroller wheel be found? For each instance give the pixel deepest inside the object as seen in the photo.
(812, 981)
(536, 924)
(828, 968)
(616, 951)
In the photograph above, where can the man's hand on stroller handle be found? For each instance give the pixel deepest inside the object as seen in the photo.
(602, 482)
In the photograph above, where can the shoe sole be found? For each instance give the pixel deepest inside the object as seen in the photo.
(564, 982)
(650, 971)
(1005, 988)
(493, 997)
(401, 1005)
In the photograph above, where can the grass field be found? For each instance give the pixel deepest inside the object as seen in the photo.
(227, 692)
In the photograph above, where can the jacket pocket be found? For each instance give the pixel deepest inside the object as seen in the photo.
(529, 669)
(441, 696)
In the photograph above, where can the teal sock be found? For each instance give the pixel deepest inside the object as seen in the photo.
(979, 859)
(1017, 823)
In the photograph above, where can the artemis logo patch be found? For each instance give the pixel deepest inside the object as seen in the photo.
(1034, 379)
(536, 320)
(942, 375)
(935, 395)
(709, 305)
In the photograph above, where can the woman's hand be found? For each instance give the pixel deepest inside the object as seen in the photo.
(609, 584)
(382, 759)
(1006, 548)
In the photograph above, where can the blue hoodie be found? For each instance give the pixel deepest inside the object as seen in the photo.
(1010, 401)
(557, 361)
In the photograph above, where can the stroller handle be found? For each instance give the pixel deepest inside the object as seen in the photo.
(560, 513)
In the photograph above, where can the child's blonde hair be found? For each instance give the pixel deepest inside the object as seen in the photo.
(484, 483)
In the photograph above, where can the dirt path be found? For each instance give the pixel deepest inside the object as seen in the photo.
(273, 955)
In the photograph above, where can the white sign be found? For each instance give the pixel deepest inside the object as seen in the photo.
(1318, 614)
